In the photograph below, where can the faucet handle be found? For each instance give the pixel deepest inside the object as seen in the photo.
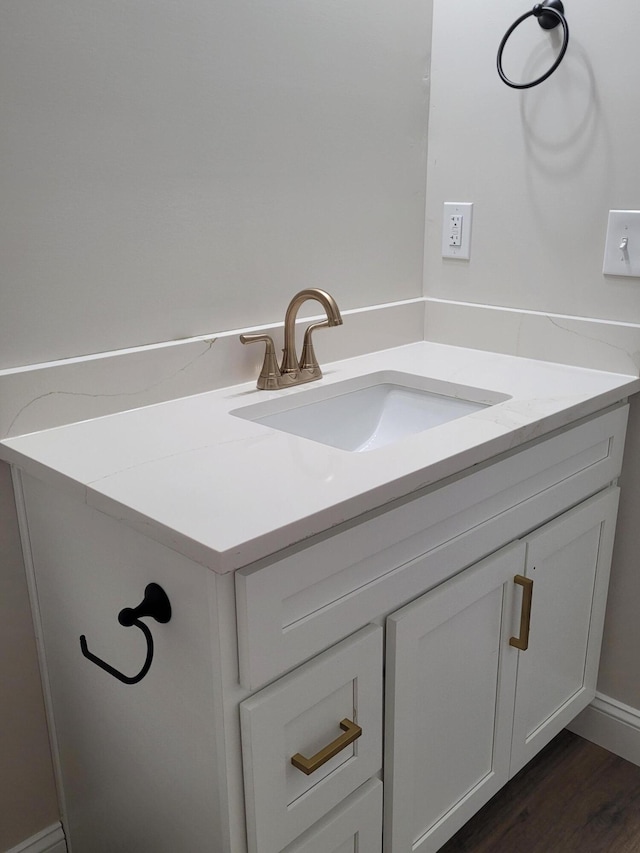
(308, 360)
(270, 373)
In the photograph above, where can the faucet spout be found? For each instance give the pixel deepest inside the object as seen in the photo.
(290, 363)
(294, 371)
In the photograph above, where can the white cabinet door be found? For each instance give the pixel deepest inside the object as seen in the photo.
(450, 690)
(568, 561)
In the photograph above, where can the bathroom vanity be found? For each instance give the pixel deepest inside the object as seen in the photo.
(411, 624)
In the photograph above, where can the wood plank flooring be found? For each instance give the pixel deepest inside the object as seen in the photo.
(574, 797)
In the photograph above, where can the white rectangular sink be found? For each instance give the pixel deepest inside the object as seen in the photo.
(370, 411)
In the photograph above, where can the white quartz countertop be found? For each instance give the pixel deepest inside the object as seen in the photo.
(225, 491)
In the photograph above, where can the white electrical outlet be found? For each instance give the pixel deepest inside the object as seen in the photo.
(456, 230)
(622, 249)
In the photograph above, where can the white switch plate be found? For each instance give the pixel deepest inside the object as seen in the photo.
(622, 249)
(456, 235)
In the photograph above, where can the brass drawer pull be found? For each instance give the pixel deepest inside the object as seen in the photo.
(308, 765)
(522, 642)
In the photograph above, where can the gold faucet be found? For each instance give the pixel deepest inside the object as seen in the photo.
(293, 371)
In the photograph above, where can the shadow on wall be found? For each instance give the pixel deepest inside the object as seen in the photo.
(574, 132)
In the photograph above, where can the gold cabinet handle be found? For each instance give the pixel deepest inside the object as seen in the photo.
(308, 765)
(522, 642)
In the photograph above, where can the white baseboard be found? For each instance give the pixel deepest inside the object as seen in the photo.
(50, 840)
(612, 725)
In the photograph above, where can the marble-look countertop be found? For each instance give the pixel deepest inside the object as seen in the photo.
(225, 491)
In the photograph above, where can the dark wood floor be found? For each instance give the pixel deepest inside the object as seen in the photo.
(575, 797)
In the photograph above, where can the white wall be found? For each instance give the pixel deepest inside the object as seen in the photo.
(543, 167)
(619, 674)
(27, 794)
(171, 169)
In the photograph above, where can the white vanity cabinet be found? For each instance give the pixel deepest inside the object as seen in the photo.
(268, 663)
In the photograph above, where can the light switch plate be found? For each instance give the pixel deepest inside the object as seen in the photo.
(456, 236)
(622, 249)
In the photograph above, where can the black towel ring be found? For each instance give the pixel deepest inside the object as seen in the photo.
(155, 604)
(549, 15)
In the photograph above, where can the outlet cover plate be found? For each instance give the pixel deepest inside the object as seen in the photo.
(457, 208)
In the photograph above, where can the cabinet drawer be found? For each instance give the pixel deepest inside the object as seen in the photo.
(353, 827)
(321, 703)
(292, 608)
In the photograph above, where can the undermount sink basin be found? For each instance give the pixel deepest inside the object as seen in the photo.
(370, 411)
